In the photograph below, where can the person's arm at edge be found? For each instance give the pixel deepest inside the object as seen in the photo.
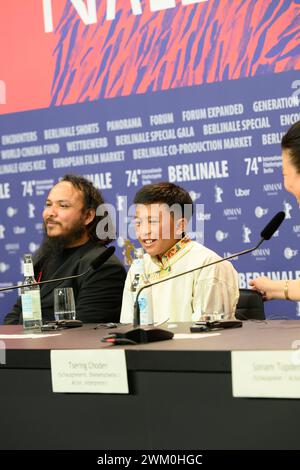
(277, 290)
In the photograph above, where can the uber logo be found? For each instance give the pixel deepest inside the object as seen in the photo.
(239, 192)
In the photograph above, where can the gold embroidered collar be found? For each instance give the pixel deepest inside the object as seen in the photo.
(166, 261)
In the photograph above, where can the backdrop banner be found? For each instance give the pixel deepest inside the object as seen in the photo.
(199, 93)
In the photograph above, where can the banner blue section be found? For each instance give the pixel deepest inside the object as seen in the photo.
(219, 141)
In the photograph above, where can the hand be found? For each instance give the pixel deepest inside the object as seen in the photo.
(263, 285)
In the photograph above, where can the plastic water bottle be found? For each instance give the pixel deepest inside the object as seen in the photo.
(139, 281)
(30, 297)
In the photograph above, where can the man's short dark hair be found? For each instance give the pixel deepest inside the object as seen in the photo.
(165, 193)
(291, 142)
(92, 198)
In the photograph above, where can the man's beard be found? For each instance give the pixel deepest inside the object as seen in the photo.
(54, 246)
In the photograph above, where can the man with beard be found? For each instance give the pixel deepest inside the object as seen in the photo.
(70, 244)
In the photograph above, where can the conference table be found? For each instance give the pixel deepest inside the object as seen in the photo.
(180, 394)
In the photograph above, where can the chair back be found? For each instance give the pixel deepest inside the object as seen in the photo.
(250, 305)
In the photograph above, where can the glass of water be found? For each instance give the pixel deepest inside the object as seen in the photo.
(64, 304)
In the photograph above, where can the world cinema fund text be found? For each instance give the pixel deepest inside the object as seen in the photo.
(136, 458)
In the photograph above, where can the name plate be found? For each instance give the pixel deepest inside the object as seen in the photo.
(266, 374)
(89, 371)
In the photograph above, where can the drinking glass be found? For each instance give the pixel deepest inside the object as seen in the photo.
(64, 304)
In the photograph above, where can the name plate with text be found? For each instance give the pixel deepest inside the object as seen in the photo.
(266, 374)
(89, 371)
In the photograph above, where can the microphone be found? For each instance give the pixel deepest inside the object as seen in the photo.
(95, 264)
(272, 226)
(145, 336)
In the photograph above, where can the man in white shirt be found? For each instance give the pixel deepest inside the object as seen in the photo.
(160, 223)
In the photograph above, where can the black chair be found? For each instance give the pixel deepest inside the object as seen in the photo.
(250, 305)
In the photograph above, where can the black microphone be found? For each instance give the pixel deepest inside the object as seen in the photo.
(272, 226)
(95, 264)
(145, 336)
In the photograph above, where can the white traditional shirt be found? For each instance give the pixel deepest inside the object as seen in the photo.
(213, 289)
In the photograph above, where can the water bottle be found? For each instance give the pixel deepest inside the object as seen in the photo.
(30, 297)
(139, 281)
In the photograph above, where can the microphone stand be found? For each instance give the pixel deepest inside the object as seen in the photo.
(46, 282)
(97, 263)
